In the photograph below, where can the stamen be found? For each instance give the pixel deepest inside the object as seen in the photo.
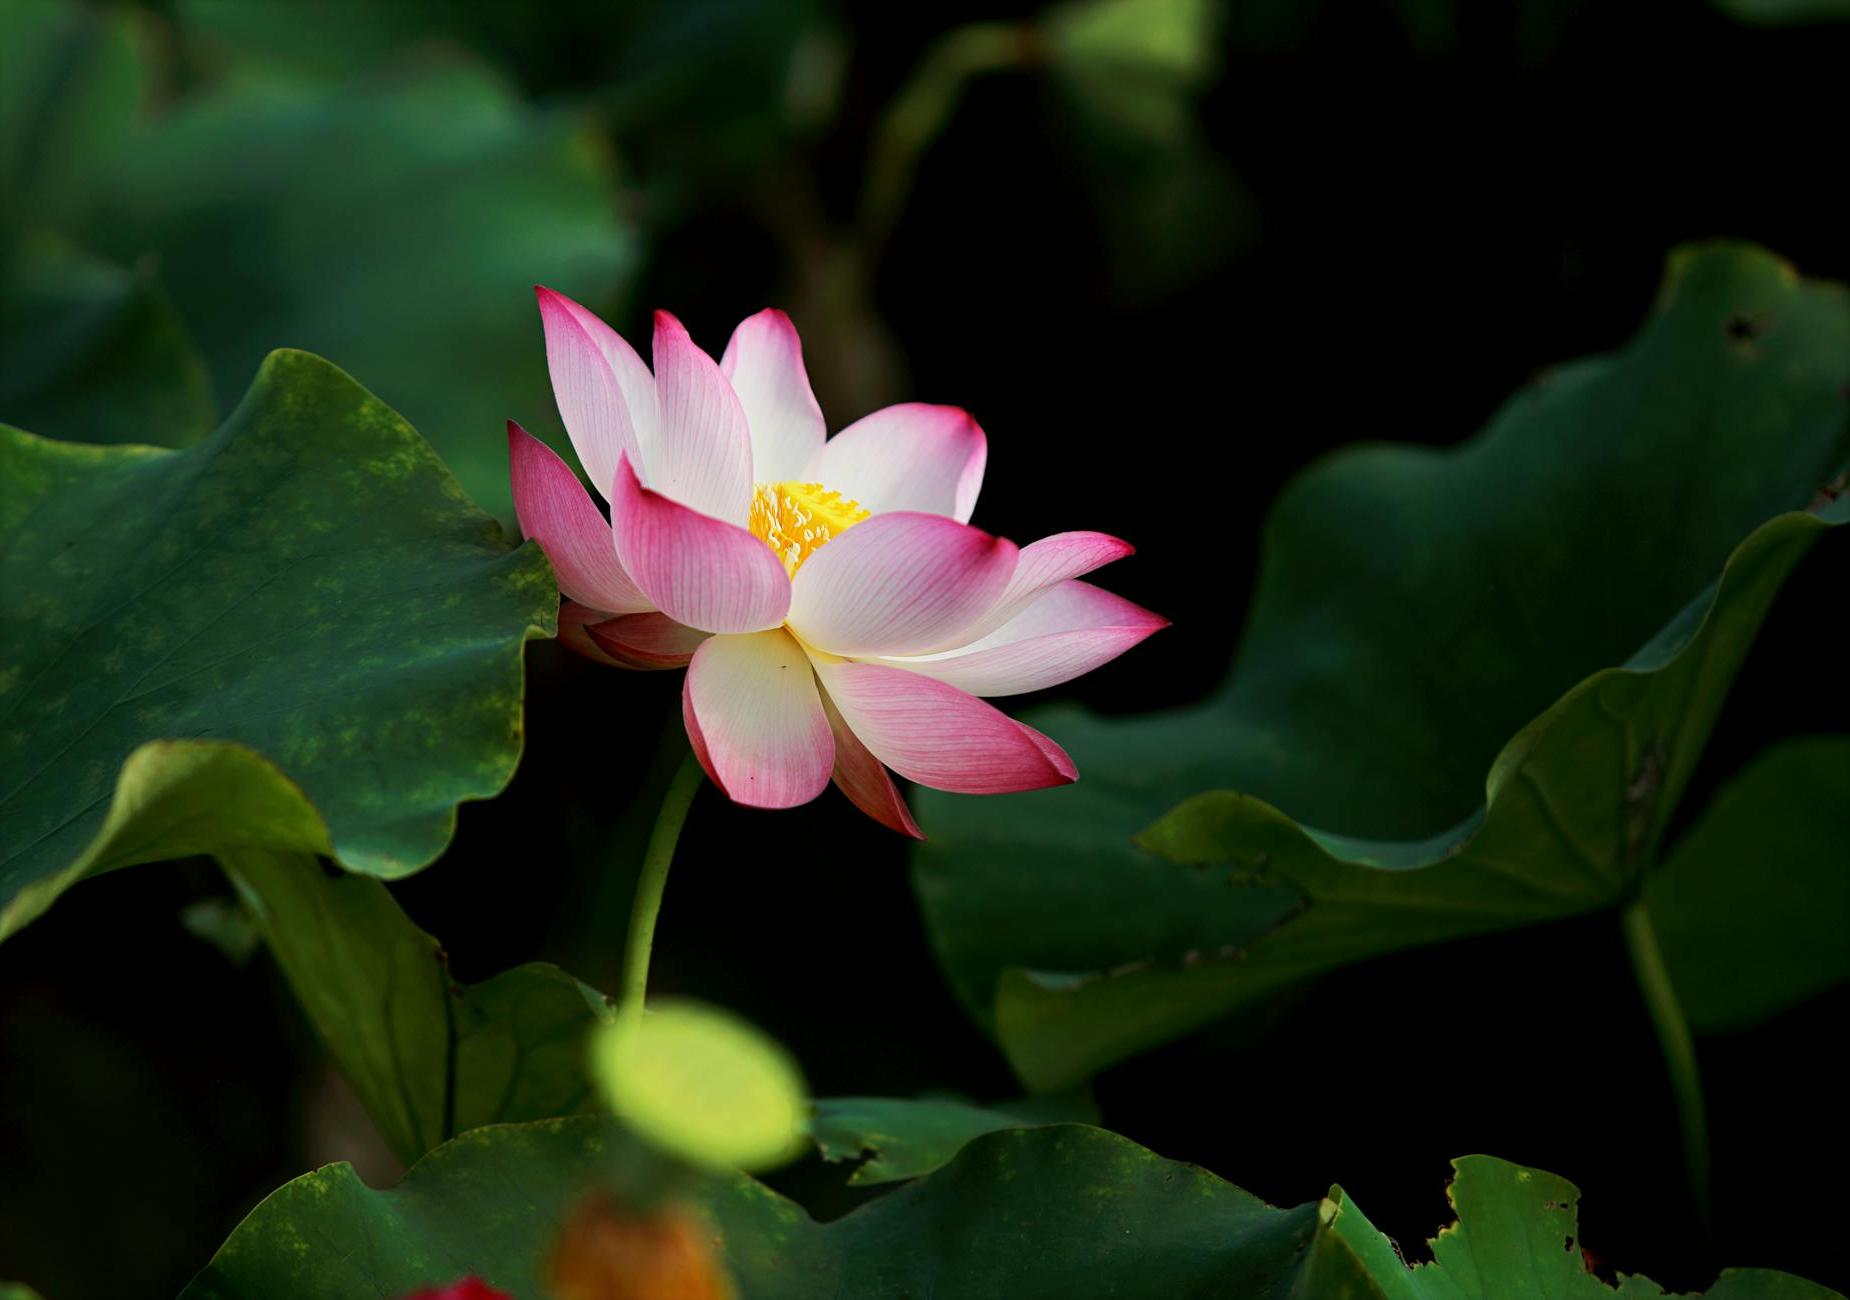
(797, 519)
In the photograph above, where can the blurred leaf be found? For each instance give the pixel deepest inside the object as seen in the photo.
(1037, 1212)
(1415, 610)
(1168, 215)
(1432, 25)
(332, 40)
(89, 350)
(703, 1085)
(1130, 73)
(697, 90)
(1137, 63)
(226, 924)
(77, 79)
(298, 635)
(397, 227)
(896, 1139)
(727, 77)
(1517, 1235)
(658, 63)
(429, 1058)
(1753, 906)
(1779, 13)
(95, 353)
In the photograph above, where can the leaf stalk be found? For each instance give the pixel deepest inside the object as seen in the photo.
(1679, 1050)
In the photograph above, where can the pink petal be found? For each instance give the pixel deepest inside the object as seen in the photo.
(863, 778)
(1060, 633)
(913, 456)
(759, 720)
(764, 362)
(1062, 556)
(647, 640)
(898, 584)
(1042, 564)
(933, 733)
(556, 511)
(574, 634)
(703, 452)
(604, 392)
(694, 737)
(700, 571)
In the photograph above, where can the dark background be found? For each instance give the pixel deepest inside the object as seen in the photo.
(1396, 215)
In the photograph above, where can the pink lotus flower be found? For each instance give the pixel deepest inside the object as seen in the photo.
(836, 612)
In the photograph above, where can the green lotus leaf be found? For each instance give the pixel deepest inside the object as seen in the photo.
(1422, 618)
(1028, 1212)
(1517, 1234)
(897, 1138)
(1058, 1211)
(298, 635)
(1752, 905)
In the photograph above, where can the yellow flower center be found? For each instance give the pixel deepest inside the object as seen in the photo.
(794, 519)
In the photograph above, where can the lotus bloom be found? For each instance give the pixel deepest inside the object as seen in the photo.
(836, 612)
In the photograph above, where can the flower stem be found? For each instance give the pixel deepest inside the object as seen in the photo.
(1679, 1048)
(649, 886)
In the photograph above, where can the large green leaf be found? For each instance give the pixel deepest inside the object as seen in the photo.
(1033, 1212)
(427, 1057)
(298, 635)
(1416, 610)
(1753, 905)
(396, 226)
(1056, 1212)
